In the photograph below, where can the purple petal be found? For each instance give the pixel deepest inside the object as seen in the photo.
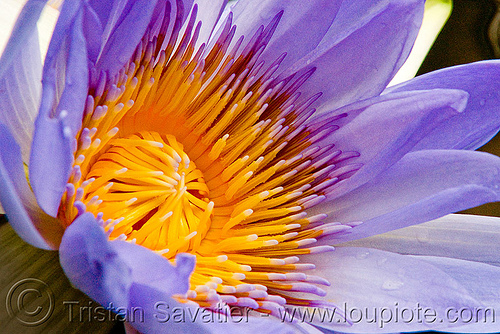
(55, 131)
(113, 271)
(50, 163)
(25, 217)
(466, 237)
(351, 16)
(20, 87)
(385, 128)
(91, 263)
(480, 279)
(93, 30)
(300, 29)
(480, 121)
(361, 64)
(109, 12)
(166, 278)
(64, 25)
(76, 77)
(482, 282)
(125, 35)
(422, 186)
(366, 281)
(97, 16)
(103, 9)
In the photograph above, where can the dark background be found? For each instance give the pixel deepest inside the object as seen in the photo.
(464, 39)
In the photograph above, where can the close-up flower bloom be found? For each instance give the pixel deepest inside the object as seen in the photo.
(204, 155)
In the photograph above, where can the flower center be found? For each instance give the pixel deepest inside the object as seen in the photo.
(235, 192)
(149, 190)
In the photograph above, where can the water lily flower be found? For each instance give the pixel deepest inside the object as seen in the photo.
(190, 154)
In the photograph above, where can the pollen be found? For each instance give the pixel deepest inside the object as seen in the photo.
(204, 150)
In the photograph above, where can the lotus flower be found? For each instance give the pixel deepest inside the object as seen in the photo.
(188, 154)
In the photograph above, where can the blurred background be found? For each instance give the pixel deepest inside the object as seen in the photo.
(471, 34)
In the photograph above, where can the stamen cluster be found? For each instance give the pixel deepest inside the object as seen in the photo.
(209, 153)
